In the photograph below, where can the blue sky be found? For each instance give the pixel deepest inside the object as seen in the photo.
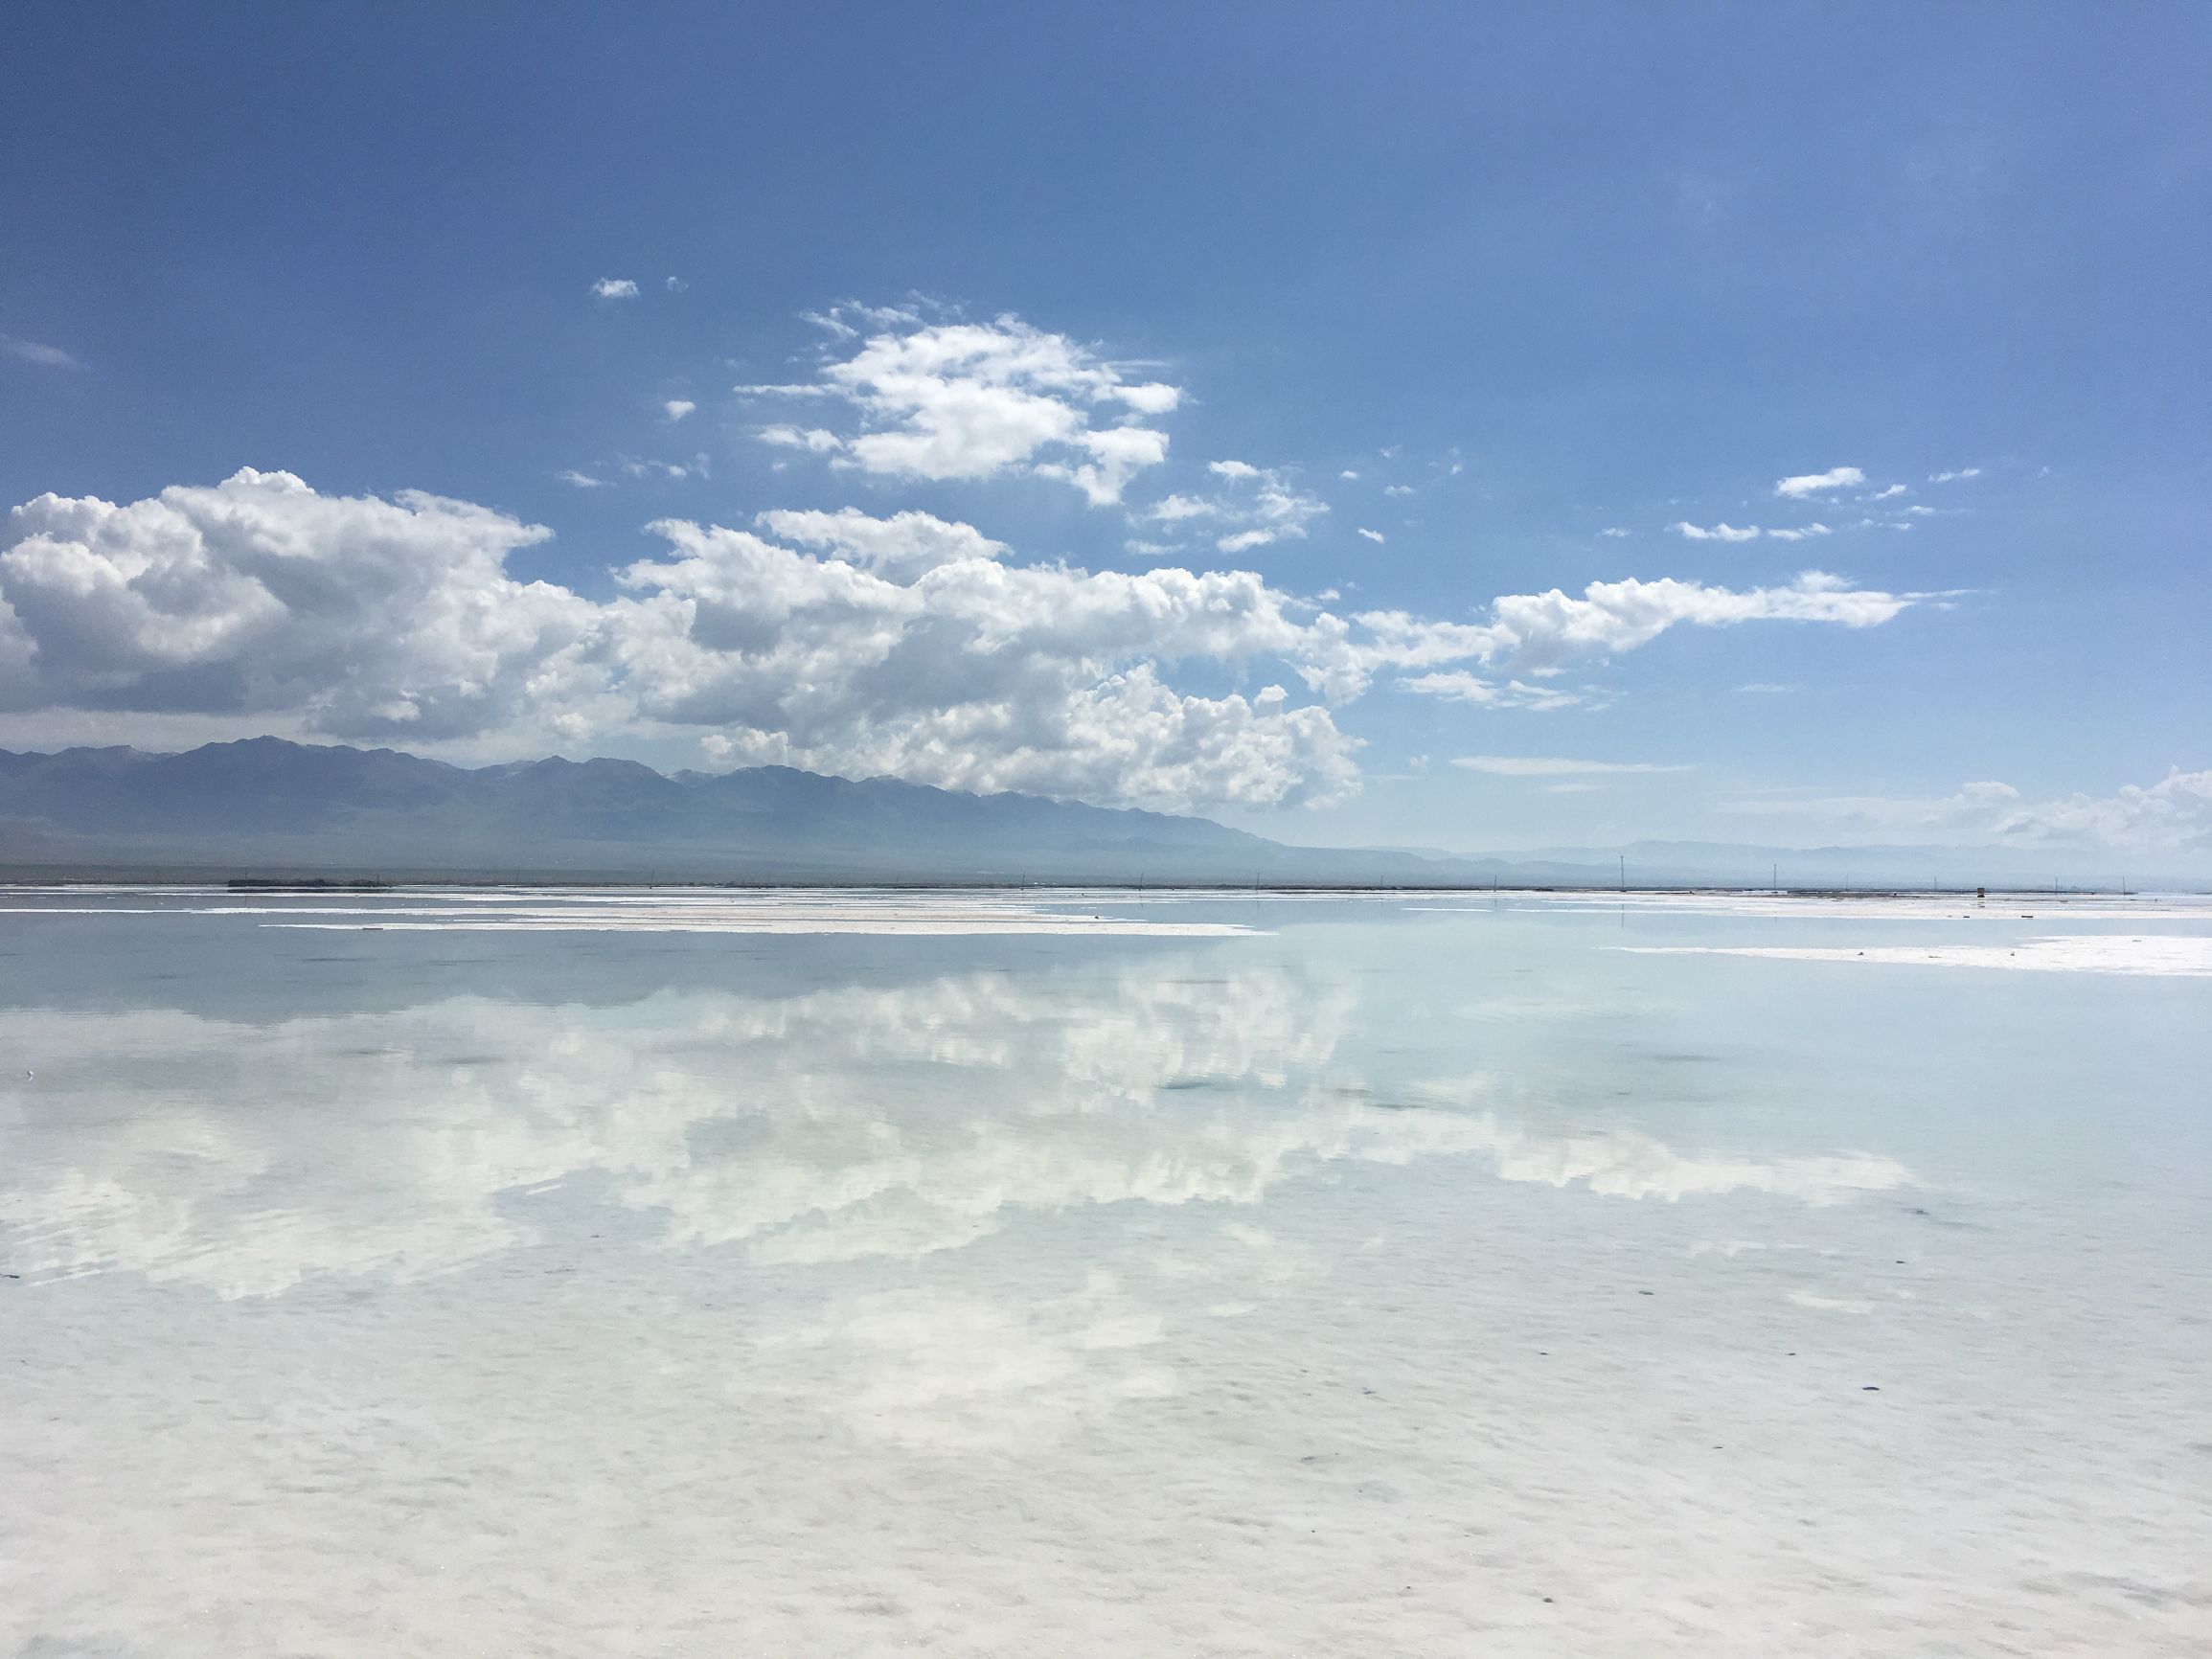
(1486, 284)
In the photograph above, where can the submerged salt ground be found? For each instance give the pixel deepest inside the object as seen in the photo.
(1245, 1276)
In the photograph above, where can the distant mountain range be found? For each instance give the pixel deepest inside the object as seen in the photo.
(265, 807)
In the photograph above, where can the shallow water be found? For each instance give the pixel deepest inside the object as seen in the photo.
(1073, 1273)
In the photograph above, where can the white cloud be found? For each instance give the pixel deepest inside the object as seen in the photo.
(1717, 532)
(1118, 454)
(1150, 397)
(904, 545)
(1174, 508)
(1813, 483)
(1613, 531)
(2172, 816)
(1458, 685)
(677, 408)
(582, 480)
(815, 439)
(35, 351)
(1349, 475)
(1923, 511)
(358, 617)
(1398, 490)
(1802, 532)
(646, 468)
(908, 646)
(1890, 492)
(1374, 535)
(976, 673)
(1552, 766)
(615, 288)
(1534, 632)
(968, 400)
(675, 285)
(1962, 473)
(1257, 505)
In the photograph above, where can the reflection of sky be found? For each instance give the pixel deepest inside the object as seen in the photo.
(1289, 1261)
(834, 1124)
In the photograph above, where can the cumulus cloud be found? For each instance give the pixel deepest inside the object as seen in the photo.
(1802, 532)
(677, 408)
(904, 544)
(842, 642)
(1890, 492)
(1614, 530)
(1398, 490)
(1374, 535)
(582, 480)
(974, 673)
(2173, 815)
(1958, 476)
(1552, 766)
(1716, 532)
(615, 288)
(1813, 483)
(36, 352)
(1117, 454)
(964, 400)
(815, 439)
(360, 616)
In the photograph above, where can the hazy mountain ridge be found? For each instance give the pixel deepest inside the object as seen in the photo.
(269, 800)
(269, 805)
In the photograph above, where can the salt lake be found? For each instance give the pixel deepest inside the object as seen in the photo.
(703, 1271)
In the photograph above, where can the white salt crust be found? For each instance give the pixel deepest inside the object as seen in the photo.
(2173, 955)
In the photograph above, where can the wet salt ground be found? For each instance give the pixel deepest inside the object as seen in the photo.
(1355, 1285)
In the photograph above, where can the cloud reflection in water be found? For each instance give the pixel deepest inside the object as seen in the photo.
(838, 1125)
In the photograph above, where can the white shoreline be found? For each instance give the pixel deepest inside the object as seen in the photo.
(2187, 957)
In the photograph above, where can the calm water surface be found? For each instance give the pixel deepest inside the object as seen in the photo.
(1245, 1276)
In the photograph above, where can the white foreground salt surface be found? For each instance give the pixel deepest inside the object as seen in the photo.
(2077, 953)
(706, 911)
(1344, 1280)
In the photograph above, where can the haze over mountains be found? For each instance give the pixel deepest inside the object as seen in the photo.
(268, 806)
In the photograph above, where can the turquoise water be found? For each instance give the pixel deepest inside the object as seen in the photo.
(659, 1273)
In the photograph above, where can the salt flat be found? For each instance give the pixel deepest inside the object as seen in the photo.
(2185, 956)
(1070, 1272)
